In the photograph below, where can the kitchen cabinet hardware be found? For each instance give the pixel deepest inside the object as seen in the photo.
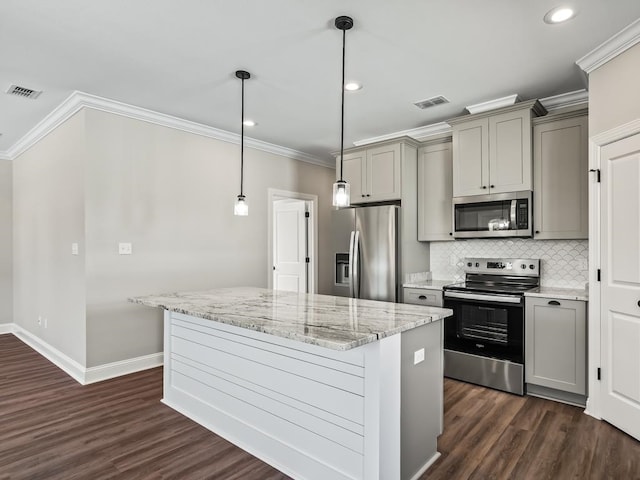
(422, 297)
(597, 170)
(639, 303)
(537, 231)
(554, 302)
(492, 186)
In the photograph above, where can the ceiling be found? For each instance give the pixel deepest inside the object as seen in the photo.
(179, 58)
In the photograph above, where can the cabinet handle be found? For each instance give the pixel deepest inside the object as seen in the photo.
(555, 302)
(484, 186)
(363, 195)
(493, 186)
(368, 195)
(537, 231)
(423, 297)
(450, 233)
(639, 303)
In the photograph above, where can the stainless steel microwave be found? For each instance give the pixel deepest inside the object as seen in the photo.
(496, 215)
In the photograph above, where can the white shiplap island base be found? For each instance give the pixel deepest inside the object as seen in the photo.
(320, 387)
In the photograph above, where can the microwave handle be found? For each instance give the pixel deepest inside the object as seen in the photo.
(514, 204)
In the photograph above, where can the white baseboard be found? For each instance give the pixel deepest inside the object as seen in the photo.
(76, 371)
(123, 367)
(426, 466)
(7, 328)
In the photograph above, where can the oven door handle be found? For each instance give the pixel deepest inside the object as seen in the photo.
(486, 298)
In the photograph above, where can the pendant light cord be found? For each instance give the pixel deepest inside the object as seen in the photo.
(344, 39)
(242, 143)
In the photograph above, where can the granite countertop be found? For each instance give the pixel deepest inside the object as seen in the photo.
(338, 323)
(428, 284)
(559, 293)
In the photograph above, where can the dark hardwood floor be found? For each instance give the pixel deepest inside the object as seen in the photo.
(53, 428)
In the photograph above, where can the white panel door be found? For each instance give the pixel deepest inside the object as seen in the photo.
(620, 257)
(289, 246)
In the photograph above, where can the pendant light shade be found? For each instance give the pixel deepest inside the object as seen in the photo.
(241, 208)
(341, 189)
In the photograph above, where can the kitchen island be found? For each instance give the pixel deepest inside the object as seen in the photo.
(320, 387)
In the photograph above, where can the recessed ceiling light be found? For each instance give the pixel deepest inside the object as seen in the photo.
(352, 86)
(559, 15)
(249, 123)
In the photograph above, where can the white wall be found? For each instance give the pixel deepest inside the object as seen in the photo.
(48, 216)
(614, 96)
(171, 194)
(6, 242)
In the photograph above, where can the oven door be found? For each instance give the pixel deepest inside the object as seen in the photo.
(485, 324)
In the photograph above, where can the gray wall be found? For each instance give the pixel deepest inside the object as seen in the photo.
(6, 242)
(614, 96)
(48, 216)
(171, 194)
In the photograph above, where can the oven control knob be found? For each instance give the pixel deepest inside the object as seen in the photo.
(532, 266)
(523, 266)
(469, 264)
(477, 265)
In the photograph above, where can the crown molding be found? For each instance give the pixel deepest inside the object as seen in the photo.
(493, 104)
(419, 134)
(621, 41)
(569, 99)
(4, 156)
(79, 100)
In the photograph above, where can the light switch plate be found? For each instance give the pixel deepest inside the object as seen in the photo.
(418, 356)
(125, 249)
(74, 249)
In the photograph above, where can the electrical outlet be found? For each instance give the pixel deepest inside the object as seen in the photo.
(74, 249)
(125, 249)
(418, 356)
(584, 264)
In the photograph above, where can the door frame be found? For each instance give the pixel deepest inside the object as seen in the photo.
(311, 201)
(596, 143)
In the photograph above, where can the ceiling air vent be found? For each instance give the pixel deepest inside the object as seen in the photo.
(431, 102)
(23, 92)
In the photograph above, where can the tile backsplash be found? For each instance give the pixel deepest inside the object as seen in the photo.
(563, 263)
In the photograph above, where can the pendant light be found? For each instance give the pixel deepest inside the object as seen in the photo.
(241, 207)
(341, 189)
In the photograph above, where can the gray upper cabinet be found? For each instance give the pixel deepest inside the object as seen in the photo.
(560, 165)
(492, 150)
(435, 183)
(555, 344)
(373, 173)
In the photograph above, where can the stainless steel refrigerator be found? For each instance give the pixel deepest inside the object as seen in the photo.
(365, 252)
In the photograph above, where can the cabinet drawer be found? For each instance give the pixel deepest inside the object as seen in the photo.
(420, 296)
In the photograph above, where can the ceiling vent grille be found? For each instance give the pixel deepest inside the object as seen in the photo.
(431, 102)
(23, 92)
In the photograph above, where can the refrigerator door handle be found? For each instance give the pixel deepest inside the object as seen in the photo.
(355, 272)
(351, 279)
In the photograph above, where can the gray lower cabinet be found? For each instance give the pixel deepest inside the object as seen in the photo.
(555, 348)
(421, 296)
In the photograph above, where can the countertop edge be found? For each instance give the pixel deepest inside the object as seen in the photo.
(344, 346)
(570, 294)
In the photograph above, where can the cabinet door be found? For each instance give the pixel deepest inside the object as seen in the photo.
(419, 296)
(555, 338)
(471, 158)
(561, 188)
(510, 166)
(354, 172)
(435, 189)
(383, 173)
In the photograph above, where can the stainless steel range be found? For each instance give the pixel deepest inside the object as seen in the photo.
(484, 340)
